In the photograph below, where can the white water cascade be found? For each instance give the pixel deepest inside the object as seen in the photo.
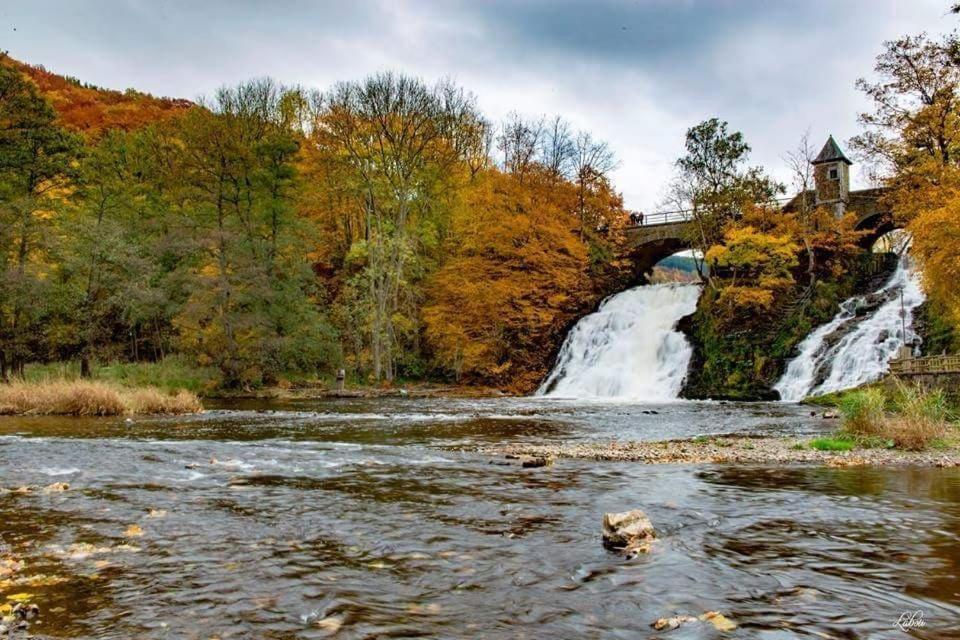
(856, 346)
(628, 349)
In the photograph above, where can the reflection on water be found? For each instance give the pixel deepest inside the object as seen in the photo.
(364, 520)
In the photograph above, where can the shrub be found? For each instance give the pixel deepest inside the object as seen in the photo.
(863, 412)
(917, 418)
(921, 417)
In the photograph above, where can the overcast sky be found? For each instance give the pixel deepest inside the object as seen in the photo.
(636, 73)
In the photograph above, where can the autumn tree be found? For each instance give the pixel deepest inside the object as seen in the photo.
(914, 120)
(558, 148)
(403, 147)
(517, 277)
(714, 184)
(520, 142)
(912, 134)
(36, 158)
(252, 309)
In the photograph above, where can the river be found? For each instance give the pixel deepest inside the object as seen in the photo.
(371, 518)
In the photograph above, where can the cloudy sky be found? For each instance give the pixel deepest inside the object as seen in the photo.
(636, 73)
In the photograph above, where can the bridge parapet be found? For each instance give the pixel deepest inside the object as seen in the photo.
(647, 233)
(925, 365)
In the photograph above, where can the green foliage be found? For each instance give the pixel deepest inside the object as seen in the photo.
(916, 403)
(909, 417)
(839, 443)
(170, 374)
(36, 158)
(863, 411)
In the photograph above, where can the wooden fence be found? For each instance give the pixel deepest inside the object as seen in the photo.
(925, 365)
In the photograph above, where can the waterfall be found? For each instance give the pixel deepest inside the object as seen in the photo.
(629, 348)
(856, 346)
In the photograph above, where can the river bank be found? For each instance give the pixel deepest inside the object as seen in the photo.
(322, 391)
(722, 450)
(92, 398)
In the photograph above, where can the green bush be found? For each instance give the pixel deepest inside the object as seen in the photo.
(863, 412)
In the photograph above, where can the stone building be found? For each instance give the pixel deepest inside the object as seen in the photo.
(831, 177)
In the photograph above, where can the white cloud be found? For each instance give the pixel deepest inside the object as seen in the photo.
(636, 74)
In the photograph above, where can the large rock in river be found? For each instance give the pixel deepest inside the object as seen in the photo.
(628, 529)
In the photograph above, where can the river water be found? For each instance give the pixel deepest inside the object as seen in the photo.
(362, 519)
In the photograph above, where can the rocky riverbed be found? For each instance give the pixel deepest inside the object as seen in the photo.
(720, 450)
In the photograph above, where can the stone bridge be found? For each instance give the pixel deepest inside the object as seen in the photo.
(663, 234)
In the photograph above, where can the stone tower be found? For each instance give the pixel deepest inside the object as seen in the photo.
(831, 174)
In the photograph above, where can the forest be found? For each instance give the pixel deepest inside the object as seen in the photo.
(271, 234)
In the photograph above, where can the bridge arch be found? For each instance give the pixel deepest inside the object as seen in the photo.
(876, 224)
(649, 244)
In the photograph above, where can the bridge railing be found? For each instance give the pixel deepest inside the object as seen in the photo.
(684, 215)
(925, 365)
(664, 217)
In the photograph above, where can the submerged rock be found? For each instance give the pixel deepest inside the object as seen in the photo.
(668, 624)
(719, 621)
(536, 461)
(529, 462)
(629, 531)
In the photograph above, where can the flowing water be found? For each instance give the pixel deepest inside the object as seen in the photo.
(372, 518)
(629, 349)
(856, 346)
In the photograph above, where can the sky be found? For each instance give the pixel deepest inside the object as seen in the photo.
(634, 73)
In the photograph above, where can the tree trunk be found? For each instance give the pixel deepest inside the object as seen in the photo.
(84, 366)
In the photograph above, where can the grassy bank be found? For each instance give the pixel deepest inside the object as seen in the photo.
(895, 415)
(89, 398)
(178, 372)
(170, 374)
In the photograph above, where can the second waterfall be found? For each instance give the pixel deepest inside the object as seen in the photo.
(629, 349)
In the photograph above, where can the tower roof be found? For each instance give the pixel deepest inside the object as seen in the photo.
(830, 153)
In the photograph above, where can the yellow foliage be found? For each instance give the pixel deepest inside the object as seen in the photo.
(754, 264)
(936, 245)
(518, 276)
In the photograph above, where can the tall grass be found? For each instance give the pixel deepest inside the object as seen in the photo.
(85, 398)
(864, 412)
(170, 374)
(921, 417)
(910, 418)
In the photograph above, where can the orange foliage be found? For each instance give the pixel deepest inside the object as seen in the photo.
(936, 244)
(92, 110)
(515, 282)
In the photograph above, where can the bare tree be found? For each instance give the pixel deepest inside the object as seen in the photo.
(519, 142)
(799, 162)
(592, 160)
(557, 147)
(402, 140)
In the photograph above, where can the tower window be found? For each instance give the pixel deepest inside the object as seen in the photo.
(834, 173)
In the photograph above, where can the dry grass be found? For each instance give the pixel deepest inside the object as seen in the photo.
(912, 419)
(150, 400)
(86, 398)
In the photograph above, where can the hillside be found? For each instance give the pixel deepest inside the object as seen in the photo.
(92, 110)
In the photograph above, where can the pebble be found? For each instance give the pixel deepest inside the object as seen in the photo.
(725, 450)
